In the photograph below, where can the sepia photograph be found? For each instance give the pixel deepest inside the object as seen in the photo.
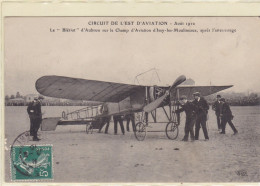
(136, 99)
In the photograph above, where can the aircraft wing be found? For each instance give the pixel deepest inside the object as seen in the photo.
(204, 90)
(82, 89)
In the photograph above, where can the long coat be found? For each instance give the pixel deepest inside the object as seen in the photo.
(217, 107)
(202, 108)
(190, 110)
(226, 111)
(34, 110)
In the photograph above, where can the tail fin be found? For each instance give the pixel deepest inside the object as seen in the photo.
(49, 124)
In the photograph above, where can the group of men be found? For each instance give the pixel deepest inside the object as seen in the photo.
(197, 112)
(118, 119)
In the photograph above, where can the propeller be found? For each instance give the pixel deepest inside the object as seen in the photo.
(153, 105)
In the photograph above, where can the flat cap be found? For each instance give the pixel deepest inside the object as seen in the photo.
(183, 97)
(196, 94)
(218, 96)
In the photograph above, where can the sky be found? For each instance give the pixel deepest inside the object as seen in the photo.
(31, 50)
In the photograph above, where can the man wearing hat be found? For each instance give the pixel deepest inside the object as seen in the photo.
(226, 117)
(217, 107)
(35, 114)
(190, 110)
(202, 112)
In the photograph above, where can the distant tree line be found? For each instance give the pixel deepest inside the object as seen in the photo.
(19, 100)
(234, 99)
(7, 97)
(48, 104)
(237, 99)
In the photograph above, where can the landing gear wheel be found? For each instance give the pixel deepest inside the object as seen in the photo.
(89, 128)
(172, 130)
(140, 131)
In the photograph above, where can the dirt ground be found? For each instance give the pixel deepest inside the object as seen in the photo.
(99, 157)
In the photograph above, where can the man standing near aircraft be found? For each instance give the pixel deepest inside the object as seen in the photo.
(226, 117)
(202, 112)
(105, 121)
(35, 114)
(118, 118)
(130, 117)
(190, 110)
(217, 107)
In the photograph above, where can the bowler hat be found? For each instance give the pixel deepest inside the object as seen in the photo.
(40, 97)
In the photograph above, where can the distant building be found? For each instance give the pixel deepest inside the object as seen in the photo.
(188, 82)
(30, 97)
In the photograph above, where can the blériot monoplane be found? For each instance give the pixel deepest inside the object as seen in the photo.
(119, 99)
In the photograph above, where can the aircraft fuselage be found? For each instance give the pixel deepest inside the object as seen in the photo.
(134, 103)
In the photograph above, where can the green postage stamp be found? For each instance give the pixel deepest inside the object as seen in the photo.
(31, 162)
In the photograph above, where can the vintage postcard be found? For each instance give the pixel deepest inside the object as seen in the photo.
(131, 99)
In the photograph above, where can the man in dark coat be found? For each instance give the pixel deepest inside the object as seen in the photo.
(226, 117)
(190, 110)
(35, 114)
(217, 107)
(202, 112)
(105, 121)
(118, 118)
(130, 117)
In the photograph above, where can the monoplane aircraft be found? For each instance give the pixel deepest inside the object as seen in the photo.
(120, 99)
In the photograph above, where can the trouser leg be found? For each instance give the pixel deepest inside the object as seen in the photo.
(223, 124)
(106, 129)
(36, 126)
(232, 125)
(204, 128)
(115, 126)
(191, 130)
(197, 129)
(146, 117)
(31, 127)
(127, 124)
(133, 124)
(186, 130)
(218, 122)
(101, 125)
(34, 134)
(178, 117)
(122, 126)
